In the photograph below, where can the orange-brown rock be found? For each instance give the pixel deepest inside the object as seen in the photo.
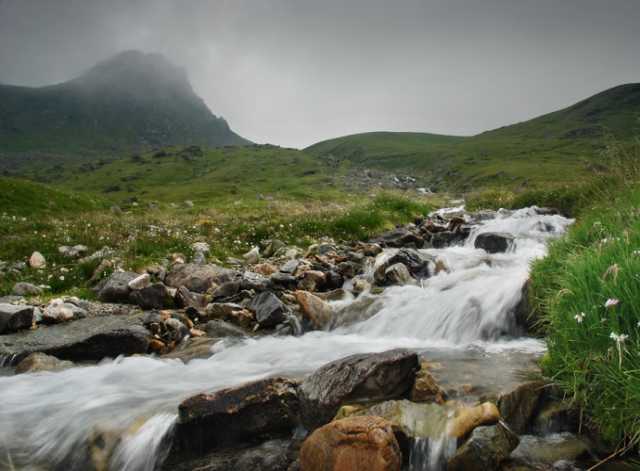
(318, 312)
(364, 443)
(265, 269)
(468, 418)
(157, 346)
(426, 389)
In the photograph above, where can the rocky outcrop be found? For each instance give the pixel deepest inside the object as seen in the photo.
(15, 317)
(261, 409)
(494, 242)
(357, 378)
(355, 443)
(486, 449)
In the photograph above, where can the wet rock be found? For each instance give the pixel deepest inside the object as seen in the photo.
(89, 339)
(290, 267)
(494, 242)
(140, 282)
(197, 278)
(448, 238)
(155, 296)
(116, 288)
(254, 281)
(334, 295)
(400, 237)
(26, 289)
(486, 449)
(467, 419)
(186, 351)
(360, 285)
(311, 280)
(15, 317)
(315, 310)
(517, 407)
(283, 281)
(60, 311)
(556, 417)
(261, 409)
(425, 388)
(226, 290)
(397, 274)
(348, 269)
(357, 378)
(185, 298)
(417, 264)
(270, 311)
(356, 443)
(230, 312)
(272, 455)
(219, 328)
(37, 261)
(550, 449)
(38, 362)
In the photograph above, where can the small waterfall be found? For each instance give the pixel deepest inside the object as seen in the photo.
(6, 361)
(468, 309)
(429, 454)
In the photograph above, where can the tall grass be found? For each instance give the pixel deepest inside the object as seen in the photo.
(586, 293)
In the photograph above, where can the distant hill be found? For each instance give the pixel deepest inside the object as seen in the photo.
(131, 101)
(558, 147)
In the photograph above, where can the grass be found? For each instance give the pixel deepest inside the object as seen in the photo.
(599, 260)
(141, 237)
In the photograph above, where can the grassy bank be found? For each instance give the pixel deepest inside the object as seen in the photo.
(586, 295)
(141, 237)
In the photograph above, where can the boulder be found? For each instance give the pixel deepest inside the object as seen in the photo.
(486, 449)
(261, 409)
(311, 280)
(116, 288)
(140, 282)
(315, 310)
(549, 449)
(252, 256)
(196, 277)
(281, 281)
(400, 237)
(38, 362)
(494, 242)
(270, 311)
(417, 264)
(185, 299)
(467, 419)
(60, 311)
(290, 267)
(398, 274)
(219, 328)
(26, 289)
(357, 378)
(155, 296)
(89, 339)
(15, 317)
(517, 407)
(37, 260)
(448, 238)
(426, 389)
(355, 443)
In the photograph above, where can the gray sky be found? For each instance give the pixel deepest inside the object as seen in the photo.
(293, 72)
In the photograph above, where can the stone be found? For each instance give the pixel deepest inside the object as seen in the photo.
(467, 419)
(517, 407)
(39, 362)
(197, 278)
(360, 285)
(37, 261)
(283, 281)
(400, 237)
(398, 274)
(60, 311)
(315, 310)
(550, 449)
(186, 299)
(270, 311)
(265, 269)
(290, 267)
(252, 256)
(486, 449)
(230, 312)
(140, 282)
(356, 378)
(73, 252)
(116, 288)
(355, 443)
(219, 328)
(556, 417)
(419, 265)
(155, 296)
(311, 280)
(425, 388)
(494, 242)
(261, 409)
(15, 317)
(88, 339)
(272, 247)
(226, 290)
(26, 289)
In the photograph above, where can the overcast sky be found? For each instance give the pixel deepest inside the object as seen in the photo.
(293, 72)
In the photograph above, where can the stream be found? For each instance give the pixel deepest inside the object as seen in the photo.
(462, 318)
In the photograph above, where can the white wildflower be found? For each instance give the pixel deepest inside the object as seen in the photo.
(611, 302)
(579, 317)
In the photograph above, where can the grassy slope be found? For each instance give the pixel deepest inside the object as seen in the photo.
(553, 149)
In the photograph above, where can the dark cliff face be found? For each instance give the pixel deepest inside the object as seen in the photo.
(128, 101)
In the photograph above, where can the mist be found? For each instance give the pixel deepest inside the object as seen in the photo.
(297, 72)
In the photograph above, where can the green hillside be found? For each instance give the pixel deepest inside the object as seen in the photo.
(556, 148)
(131, 101)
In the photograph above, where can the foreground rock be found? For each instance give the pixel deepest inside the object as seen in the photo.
(357, 378)
(15, 317)
(356, 443)
(38, 362)
(89, 339)
(270, 311)
(262, 409)
(494, 242)
(517, 407)
(485, 450)
(314, 309)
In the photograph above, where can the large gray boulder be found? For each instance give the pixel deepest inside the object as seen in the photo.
(197, 277)
(486, 449)
(261, 409)
(155, 296)
(270, 311)
(116, 288)
(494, 242)
(15, 317)
(357, 378)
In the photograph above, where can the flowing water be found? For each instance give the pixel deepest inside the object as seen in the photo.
(463, 318)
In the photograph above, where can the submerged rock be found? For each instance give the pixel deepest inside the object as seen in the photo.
(494, 242)
(265, 408)
(357, 378)
(355, 443)
(15, 317)
(37, 362)
(550, 449)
